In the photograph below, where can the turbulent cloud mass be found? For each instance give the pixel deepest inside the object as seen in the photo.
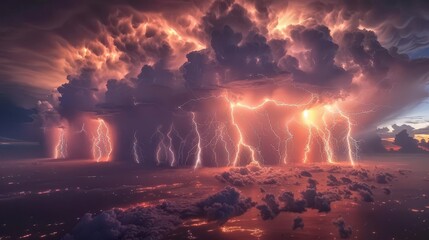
(140, 66)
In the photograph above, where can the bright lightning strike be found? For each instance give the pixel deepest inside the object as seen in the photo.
(161, 147)
(307, 148)
(290, 137)
(102, 144)
(327, 140)
(165, 151)
(315, 119)
(349, 138)
(241, 143)
(199, 149)
(61, 147)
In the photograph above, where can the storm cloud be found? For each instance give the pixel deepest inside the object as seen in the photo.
(115, 60)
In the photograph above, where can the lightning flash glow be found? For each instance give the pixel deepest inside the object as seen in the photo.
(314, 118)
(227, 137)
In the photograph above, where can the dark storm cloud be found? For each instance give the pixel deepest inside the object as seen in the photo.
(78, 95)
(226, 12)
(402, 23)
(199, 70)
(320, 54)
(372, 144)
(397, 81)
(406, 142)
(367, 52)
(387, 133)
(119, 93)
(250, 59)
(41, 42)
(90, 23)
(156, 74)
(240, 51)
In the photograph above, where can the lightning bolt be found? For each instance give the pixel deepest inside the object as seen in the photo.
(199, 149)
(307, 148)
(161, 147)
(183, 141)
(277, 149)
(225, 144)
(318, 128)
(61, 147)
(349, 139)
(136, 149)
(165, 149)
(290, 137)
(102, 144)
(219, 139)
(82, 129)
(327, 140)
(241, 143)
(170, 146)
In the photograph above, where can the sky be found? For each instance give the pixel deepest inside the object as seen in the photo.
(141, 66)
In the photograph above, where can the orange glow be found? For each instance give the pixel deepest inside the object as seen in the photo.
(255, 232)
(317, 123)
(241, 142)
(420, 137)
(325, 133)
(102, 144)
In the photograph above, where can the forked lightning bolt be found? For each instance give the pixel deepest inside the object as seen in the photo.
(102, 144)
